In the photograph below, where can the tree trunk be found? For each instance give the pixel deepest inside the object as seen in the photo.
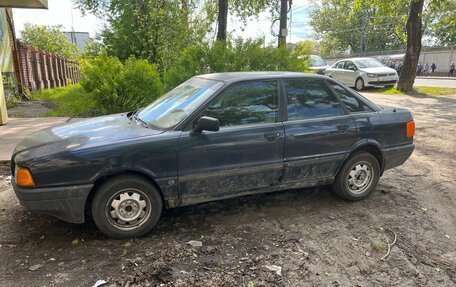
(412, 54)
(222, 19)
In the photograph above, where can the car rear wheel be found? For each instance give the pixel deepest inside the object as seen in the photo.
(358, 177)
(359, 84)
(126, 206)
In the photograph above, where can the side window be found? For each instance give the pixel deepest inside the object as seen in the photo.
(340, 65)
(310, 98)
(349, 65)
(246, 103)
(352, 103)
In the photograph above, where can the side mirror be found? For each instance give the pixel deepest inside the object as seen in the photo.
(206, 124)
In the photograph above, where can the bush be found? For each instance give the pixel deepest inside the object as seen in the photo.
(239, 55)
(118, 87)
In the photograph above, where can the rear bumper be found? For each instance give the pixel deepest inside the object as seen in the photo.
(66, 203)
(396, 156)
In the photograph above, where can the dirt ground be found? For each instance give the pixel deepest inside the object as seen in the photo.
(30, 109)
(315, 238)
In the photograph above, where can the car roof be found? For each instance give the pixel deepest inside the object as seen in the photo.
(231, 77)
(356, 59)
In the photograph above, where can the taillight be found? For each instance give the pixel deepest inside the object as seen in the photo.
(410, 129)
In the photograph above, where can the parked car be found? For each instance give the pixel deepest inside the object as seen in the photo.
(317, 64)
(213, 137)
(362, 72)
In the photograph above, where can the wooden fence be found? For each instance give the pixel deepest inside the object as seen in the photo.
(43, 70)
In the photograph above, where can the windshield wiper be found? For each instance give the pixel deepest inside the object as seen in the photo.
(143, 123)
(132, 114)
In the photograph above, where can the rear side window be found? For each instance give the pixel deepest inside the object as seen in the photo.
(352, 103)
(310, 98)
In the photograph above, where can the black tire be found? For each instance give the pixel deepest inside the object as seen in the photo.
(126, 206)
(389, 86)
(361, 85)
(347, 189)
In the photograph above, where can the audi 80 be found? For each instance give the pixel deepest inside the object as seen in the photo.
(213, 137)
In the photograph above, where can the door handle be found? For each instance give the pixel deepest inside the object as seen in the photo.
(272, 136)
(343, 128)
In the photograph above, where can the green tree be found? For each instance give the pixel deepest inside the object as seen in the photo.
(48, 38)
(199, 14)
(420, 15)
(93, 48)
(241, 9)
(339, 26)
(149, 29)
(443, 22)
(229, 56)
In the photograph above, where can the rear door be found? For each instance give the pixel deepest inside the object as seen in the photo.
(318, 132)
(246, 153)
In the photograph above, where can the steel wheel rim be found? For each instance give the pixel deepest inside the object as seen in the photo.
(128, 209)
(359, 84)
(360, 177)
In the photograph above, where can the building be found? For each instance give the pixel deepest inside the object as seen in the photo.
(78, 38)
(7, 45)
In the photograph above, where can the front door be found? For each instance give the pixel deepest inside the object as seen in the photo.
(350, 74)
(318, 133)
(245, 154)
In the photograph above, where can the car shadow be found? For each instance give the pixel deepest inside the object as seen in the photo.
(35, 226)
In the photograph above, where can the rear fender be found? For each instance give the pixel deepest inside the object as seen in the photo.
(361, 145)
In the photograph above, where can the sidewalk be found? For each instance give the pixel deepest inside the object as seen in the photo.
(436, 78)
(18, 128)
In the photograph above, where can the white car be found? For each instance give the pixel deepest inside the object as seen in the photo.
(317, 64)
(362, 72)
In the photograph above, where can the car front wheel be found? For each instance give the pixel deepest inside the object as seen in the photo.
(358, 177)
(359, 84)
(126, 206)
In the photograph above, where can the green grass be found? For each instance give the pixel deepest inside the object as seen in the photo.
(70, 101)
(418, 91)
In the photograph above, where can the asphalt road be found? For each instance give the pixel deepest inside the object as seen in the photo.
(435, 83)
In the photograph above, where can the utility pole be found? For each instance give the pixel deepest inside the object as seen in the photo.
(362, 40)
(283, 32)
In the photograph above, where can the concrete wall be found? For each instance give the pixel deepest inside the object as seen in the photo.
(441, 58)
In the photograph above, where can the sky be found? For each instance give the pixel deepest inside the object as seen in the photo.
(62, 12)
(261, 27)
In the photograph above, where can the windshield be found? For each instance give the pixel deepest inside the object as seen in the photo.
(368, 63)
(169, 110)
(316, 61)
